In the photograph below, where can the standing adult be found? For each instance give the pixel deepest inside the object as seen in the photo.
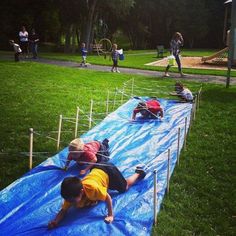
(34, 39)
(24, 41)
(176, 42)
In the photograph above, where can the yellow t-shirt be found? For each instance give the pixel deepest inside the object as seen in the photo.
(95, 186)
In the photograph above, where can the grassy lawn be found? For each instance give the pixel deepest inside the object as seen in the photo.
(202, 191)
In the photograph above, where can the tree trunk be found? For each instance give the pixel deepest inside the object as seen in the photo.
(68, 39)
(191, 42)
(78, 37)
(73, 48)
(89, 23)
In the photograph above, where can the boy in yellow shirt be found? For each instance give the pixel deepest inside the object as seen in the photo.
(93, 188)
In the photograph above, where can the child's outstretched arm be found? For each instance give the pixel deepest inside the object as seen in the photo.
(54, 223)
(67, 164)
(133, 116)
(109, 218)
(94, 160)
(161, 113)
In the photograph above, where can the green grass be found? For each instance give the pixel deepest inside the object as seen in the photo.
(202, 198)
(202, 191)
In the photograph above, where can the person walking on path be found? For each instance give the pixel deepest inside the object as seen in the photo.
(115, 57)
(176, 42)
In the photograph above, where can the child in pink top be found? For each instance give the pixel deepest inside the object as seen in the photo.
(93, 152)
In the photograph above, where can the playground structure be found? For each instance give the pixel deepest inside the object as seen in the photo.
(159, 164)
(103, 47)
(194, 62)
(218, 57)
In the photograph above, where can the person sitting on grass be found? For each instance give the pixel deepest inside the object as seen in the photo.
(150, 109)
(93, 188)
(93, 152)
(182, 92)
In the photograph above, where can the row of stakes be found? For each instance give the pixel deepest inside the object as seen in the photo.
(195, 107)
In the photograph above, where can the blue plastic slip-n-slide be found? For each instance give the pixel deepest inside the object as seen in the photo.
(28, 204)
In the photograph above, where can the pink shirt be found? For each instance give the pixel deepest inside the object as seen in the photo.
(88, 154)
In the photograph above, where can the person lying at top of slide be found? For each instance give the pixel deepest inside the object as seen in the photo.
(149, 109)
(93, 152)
(93, 188)
(182, 92)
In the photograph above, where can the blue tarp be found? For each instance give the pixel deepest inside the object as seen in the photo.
(28, 204)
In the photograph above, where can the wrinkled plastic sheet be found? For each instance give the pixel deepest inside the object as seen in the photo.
(29, 203)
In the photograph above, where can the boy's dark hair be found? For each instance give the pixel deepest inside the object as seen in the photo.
(179, 86)
(141, 106)
(71, 187)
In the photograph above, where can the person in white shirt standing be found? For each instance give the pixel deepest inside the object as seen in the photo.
(24, 41)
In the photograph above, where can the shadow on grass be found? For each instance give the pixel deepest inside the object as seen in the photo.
(220, 95)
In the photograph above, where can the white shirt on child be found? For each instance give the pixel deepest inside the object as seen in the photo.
(187, 94)
(23, 36)
(17, 48)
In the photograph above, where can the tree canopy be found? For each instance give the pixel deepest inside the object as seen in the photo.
(145, 23)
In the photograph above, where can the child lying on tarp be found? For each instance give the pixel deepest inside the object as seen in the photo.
(94, 187)
(182, 92)
(149, 109)
(93, 152)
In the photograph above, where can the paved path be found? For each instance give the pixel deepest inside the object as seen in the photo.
(188, 77)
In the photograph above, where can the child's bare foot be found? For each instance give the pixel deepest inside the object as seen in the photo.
(82, 172)
(109, 219)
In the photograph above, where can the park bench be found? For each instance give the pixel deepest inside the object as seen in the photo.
(160, 51)
(96, 47)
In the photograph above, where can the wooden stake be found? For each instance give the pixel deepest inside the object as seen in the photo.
(107, 103)
(178, 146)
(155, 196)
(90, 114)
(59, 132)
(76, 122)
(185, 132)
(168, 172)
(31, 148)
